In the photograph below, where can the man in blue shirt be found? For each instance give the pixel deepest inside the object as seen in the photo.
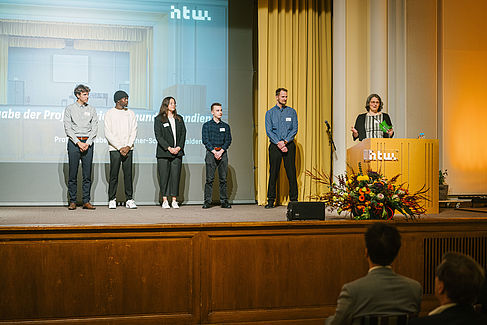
(281, 126)
(216, 137)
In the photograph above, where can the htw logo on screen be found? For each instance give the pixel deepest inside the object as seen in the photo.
(195, 14)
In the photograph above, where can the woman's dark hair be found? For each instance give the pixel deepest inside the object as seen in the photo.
(165, 108)
(367, 103)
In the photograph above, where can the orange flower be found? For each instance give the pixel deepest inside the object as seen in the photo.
(361, 197)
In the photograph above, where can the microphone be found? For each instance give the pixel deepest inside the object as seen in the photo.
(330, 138)
(327, 125)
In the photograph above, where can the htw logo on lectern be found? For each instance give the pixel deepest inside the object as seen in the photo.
(370, 155)
(195, 14)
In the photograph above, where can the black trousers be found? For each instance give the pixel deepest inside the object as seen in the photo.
(74, 156)
(169, 175)
(211, 166)
(275, 158)
(116, 159)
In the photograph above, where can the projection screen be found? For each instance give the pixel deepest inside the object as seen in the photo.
(199, 52)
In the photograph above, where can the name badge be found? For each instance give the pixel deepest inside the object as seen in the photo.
(165, 125)
(87, 113)
(288, 119)
(222, 129)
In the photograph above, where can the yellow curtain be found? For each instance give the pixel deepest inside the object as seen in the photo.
(294, 52)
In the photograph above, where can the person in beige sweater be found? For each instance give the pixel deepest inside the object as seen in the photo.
(120, 131)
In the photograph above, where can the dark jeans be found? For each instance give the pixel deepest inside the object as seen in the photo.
(211, 165)
(275, 158)
(74, 156)
(115, 159)
(169, 174)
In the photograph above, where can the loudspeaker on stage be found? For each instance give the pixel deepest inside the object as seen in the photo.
(305, 211)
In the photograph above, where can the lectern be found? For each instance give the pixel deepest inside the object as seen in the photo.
(416, 160)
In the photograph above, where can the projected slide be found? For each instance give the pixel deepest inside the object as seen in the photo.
(150, 49)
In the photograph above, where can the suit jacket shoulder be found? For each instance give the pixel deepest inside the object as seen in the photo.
(456, 315)
(380, 292)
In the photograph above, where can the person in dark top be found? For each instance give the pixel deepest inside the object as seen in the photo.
(170, 133)
(457, 284)
(217, 138)
(374, 123)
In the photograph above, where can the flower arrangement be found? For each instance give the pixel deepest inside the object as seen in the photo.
(369, 195)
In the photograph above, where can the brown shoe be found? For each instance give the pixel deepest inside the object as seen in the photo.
(88, 206)
(72, 206)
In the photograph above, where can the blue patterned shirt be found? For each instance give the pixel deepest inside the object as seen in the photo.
(216, 135)
(281, 124)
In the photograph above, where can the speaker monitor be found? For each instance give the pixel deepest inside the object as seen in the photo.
(306, 211)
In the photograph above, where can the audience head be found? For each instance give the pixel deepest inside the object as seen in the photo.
(459, 278)
(383, 242)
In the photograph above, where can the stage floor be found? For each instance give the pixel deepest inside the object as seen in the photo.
(155, 215)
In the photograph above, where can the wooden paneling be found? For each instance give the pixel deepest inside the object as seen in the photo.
(277, 273)
(88, 277)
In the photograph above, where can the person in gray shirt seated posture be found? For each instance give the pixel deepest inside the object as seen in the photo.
(382, 291)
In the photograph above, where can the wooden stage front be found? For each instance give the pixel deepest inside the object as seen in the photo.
(246, 265)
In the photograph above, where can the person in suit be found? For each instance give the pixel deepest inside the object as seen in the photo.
(457, 283)
(372, 123)
(170, 133)
(381, 291)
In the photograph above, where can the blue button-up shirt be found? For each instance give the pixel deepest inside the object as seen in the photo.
(216, 135)
(281, 124)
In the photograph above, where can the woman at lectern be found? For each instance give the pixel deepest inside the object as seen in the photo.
(374, 123)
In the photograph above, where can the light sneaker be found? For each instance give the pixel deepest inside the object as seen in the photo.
(130, 204)
(175, 205)
(112, 204)
(165, 205)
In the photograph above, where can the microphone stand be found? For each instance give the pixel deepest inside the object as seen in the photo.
(333, 148)
(330, 138)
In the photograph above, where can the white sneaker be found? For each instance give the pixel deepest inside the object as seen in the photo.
(175, 205)
(130, 204)
(112, 204)
(165, 205)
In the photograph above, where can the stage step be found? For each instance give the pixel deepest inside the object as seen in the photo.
(455, 203)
